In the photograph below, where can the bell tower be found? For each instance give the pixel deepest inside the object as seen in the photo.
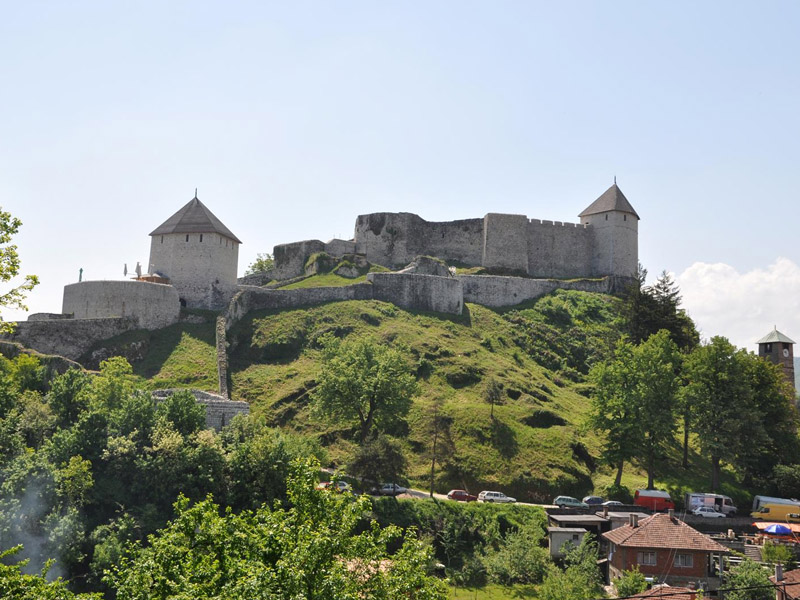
(777, 348)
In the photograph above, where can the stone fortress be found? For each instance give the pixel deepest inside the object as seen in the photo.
(194, 262)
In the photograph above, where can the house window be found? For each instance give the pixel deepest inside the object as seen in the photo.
(575, 537)
(684, 560)
(646, 558)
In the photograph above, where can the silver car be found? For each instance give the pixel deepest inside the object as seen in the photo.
(487, 496)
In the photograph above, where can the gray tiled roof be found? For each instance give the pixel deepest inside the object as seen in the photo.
(194, 217)
(775, 336)
(611, 199)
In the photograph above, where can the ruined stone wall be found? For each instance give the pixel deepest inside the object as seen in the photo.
(453, 241)
(505, 242)
(202, 266)
(70, 338)
(290, 259)
(153, 305)
(249, 299)
(558, 249)
(339, 248)
(219, 410)
(418, 292)
(495, 291)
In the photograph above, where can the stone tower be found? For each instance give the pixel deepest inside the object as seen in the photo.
(199, 256)
(616, 231)
(777, 348)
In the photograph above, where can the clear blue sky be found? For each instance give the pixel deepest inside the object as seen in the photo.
(294, 117)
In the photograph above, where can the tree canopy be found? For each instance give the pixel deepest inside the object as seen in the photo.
(9, 268)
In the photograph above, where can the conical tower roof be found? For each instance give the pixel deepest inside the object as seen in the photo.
(773, 337)
(611, 199)
(194, 217)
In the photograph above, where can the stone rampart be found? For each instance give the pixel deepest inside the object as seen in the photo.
(219, 410)
(152, 305)
(252, 298)
(49, 316)
(495, 291)
(290, 259)
(418, 292)
(339, 248)
(70, 338)
(505, 242)
(558, 249)
(258, 279)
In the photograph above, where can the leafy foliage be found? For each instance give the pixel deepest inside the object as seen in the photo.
(749, 574)
(9, 268)
(309, 550)
(263, 262)
(365, 381)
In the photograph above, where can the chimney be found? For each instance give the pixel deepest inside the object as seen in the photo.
(778, 572)
(671, 513)
(633, 520)
(605, 512)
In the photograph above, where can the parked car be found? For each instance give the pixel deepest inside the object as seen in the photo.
(337, 486)
(569, 502)
(488, 496)
(613, 503)
(707, 511)
(388, 489)
(461, 496)
(592, 500)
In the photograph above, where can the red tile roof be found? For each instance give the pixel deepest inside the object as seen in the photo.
(791, 579)
(668, 593)
(662, 531)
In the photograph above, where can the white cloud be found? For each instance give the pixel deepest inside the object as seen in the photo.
(743, 306)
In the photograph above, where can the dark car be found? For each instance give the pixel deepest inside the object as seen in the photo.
(593, 500)
(461, 496)
(388, 489)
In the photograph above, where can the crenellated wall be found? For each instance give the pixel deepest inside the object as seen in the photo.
(604, 244)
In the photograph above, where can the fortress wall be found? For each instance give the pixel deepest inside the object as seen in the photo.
(339, 248)
(496, 291)
(258, 279)
(460, 241)
(505, 242)
(204, 272)
(250, 299)
(70, 338)
(418, 292)
(153, 305)
(290, 259)
(558, 249)
(48, 316)
(383, 237)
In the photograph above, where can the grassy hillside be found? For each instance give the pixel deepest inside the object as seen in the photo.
(537, 445)
(538, 353)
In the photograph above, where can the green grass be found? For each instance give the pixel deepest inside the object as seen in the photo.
(275, 361)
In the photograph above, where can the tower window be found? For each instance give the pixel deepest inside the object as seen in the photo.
(624, 217)
(162, 239)
(768, 348)
(201, 237)
(187, 237)
(606, 217)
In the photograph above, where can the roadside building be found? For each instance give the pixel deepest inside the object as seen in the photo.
(666, 549)
(787, 585)
(557, 537)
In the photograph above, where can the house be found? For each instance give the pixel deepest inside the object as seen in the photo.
(558, 536)
(787, 585)
(668, 592)
(666, 549)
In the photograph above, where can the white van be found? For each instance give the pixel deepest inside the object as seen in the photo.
(494, 497)
(720, 503)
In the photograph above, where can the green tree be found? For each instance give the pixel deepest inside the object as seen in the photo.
(658, 363)
(493, 394)
(379, 459)
(185, 413)
(721, 399)
(309, 551)
(363, 380)
(632, 582)
(580, 579)
(16, 585)
(263, 262)
(9, 268)
(749, 574)
(521, 558)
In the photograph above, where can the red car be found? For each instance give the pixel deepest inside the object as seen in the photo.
(461, 496)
